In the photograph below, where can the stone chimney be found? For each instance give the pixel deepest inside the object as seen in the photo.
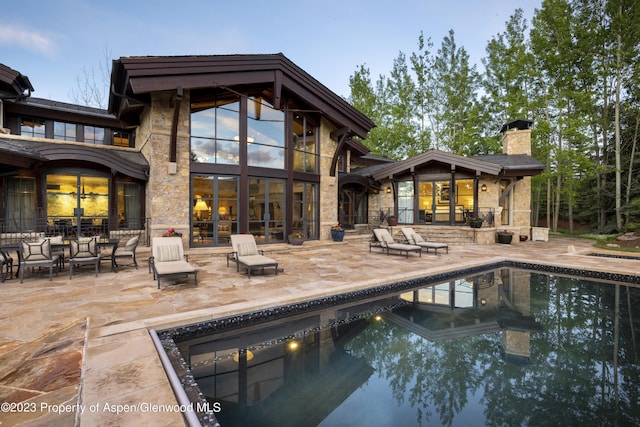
(517, 137)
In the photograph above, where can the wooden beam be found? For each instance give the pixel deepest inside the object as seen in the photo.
(173, 147)
(342, 135)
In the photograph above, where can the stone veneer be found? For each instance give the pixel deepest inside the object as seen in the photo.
(167, 202)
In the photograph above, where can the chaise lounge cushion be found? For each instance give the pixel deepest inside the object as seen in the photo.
(246, 254)
(414, 238)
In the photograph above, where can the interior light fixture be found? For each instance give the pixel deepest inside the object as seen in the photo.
(248, 353)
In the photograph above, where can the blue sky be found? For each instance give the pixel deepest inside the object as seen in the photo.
(53, 42)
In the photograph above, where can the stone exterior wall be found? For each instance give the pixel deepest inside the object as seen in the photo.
(167, 202)
(328, 184)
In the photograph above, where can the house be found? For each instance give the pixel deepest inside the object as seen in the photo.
(223, 144)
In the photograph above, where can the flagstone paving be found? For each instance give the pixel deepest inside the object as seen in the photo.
(75, 352)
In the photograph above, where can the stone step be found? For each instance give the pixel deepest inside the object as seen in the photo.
(452, 235)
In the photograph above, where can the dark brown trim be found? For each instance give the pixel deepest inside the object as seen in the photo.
(341, 134)
(177, 101)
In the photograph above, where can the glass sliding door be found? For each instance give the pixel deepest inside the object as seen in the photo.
(266, 209)
(77, 205)
(405, 202)
(305, 209)
(426, 203)
(20, 205)
(214, 209)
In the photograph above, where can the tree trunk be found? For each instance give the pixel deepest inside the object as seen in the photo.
(630, 176)
(617, 132)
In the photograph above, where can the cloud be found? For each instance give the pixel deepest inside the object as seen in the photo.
(17, 36)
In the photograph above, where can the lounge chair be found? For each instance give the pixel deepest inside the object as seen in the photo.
(169, 260)
(415, 239)
(245, 253)
(385, 241)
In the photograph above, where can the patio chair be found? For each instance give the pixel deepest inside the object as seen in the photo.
(84, 251)
(415, 239)
(37, 254)
(168, 259)
(385, 241)
(6, 265)
(246, 254)
(128, 252)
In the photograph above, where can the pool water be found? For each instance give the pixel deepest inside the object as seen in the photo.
(506, 347)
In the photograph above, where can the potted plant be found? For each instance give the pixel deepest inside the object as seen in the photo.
(504, 236)
(297, 238)
(475, 222)
(392, 220)
(337, 233)
(172, 233)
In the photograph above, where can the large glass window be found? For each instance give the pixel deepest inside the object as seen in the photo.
(93, 134)
(20, 204)
(64, 131)
(265, 135)
(215, 132)
(305, 145)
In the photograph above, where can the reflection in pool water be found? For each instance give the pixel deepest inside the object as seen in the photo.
(508, 347)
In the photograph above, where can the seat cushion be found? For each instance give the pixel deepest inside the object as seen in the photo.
(173, 267)
(256, 260)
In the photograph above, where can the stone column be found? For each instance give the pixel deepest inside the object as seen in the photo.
(167, 202)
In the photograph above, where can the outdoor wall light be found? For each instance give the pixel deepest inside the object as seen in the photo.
(483, 301)
(388, 190)
(484, 187)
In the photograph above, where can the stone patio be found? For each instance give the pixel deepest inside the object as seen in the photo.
(77, 352)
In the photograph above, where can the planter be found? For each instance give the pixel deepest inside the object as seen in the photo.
(475, 223)
(504, 238)
(296, 241)
(337, 235)
(392, 221)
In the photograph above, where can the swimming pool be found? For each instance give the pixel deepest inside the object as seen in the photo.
(502, 345)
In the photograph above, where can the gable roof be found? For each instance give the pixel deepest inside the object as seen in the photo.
(454, 160)
(499, 164)
(134, 78)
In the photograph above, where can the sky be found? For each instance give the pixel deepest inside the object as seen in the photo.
(57, 42)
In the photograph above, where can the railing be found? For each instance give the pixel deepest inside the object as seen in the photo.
(462, 216)
(12, 231)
